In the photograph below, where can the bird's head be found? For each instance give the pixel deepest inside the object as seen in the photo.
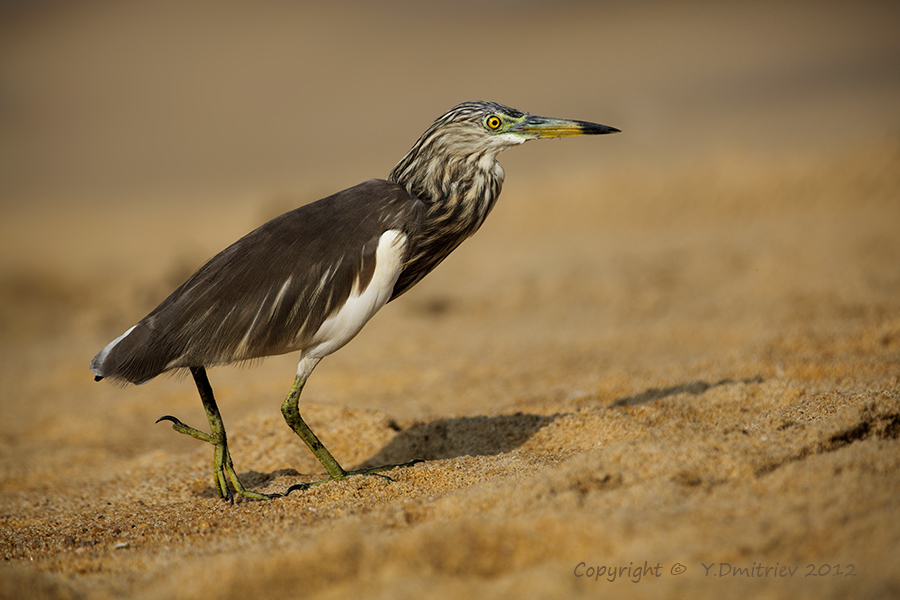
(463, 144)
(478, 126)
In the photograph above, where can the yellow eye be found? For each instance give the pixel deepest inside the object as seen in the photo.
(492, 122)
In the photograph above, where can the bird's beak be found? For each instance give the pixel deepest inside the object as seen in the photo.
(533, 127)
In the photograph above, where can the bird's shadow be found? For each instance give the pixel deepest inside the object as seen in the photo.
(482, 436)
(487, 436)
(465, 436)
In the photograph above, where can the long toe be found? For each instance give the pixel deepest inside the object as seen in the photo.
(372, 472)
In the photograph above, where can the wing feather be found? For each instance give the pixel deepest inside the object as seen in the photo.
(269, 292)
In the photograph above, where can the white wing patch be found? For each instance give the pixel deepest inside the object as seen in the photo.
(343, 326)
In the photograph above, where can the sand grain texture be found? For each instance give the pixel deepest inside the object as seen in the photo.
(691, 361)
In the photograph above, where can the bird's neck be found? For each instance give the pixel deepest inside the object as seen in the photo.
(459, 191)
(458, 194)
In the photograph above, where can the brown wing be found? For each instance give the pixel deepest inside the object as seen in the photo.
(269, 292)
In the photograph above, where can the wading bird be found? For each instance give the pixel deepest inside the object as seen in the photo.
(310, 279)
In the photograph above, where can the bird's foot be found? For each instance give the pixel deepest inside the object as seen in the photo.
(342, 475)
(223, 468)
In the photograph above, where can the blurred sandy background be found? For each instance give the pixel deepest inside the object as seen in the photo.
(678, 345)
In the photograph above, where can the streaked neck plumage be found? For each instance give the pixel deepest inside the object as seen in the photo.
(455, 176)
(453, 169)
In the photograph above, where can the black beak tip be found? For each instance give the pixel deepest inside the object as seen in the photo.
(595, 129)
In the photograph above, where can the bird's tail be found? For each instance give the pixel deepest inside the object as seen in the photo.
(126, 358)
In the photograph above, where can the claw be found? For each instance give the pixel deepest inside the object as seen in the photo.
(298, 486)
(180, 427)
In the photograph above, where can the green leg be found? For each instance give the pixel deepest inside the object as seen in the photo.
(223, 468)
(291, 411)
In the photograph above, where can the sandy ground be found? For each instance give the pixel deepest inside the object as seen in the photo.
(668, 365)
